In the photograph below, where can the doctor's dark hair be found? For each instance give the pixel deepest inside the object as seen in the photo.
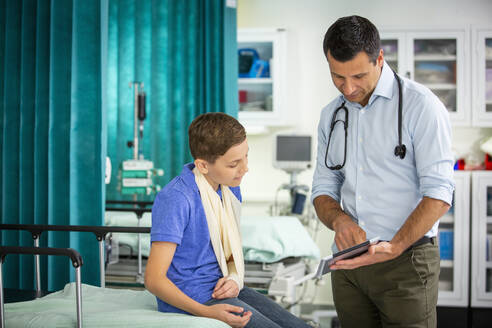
(212, 134)
(350, 35)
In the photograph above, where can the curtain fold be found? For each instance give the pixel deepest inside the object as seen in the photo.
(53, 129)
(41, 124)
(11, 125)
(26, 154)
(87, 127)
(65, 101)
(184, 52)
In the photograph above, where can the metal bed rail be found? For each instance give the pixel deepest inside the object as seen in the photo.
(36, 251)
(99, 231)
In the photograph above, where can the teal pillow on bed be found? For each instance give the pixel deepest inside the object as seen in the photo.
(270, 239)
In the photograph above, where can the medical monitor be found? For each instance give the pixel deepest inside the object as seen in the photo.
(292, 152)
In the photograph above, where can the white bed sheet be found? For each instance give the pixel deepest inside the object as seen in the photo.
(101, 307)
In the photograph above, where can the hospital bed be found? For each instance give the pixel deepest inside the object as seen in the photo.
(278, 252)
(275, 250)
(79, 303)
(128, 213)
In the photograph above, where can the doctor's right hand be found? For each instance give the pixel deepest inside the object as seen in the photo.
(347, 233)
(233, 315)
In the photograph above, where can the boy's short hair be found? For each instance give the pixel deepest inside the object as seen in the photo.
(212, 134)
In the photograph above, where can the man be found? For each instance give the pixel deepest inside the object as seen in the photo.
(374, 178)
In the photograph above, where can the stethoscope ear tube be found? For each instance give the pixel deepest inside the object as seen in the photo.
(401, 149)
(332, 126)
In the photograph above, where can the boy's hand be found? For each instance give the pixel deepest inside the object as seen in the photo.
(234, 316)
(225, 288)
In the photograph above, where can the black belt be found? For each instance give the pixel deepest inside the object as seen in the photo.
(422, 241)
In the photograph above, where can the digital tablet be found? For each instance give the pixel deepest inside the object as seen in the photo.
(351, 252)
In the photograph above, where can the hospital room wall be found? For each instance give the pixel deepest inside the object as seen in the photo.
(309, 86)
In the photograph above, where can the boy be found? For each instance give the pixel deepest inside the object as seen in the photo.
(196, 263)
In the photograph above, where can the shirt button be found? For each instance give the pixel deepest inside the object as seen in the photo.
(362, 223)
(362, 111)
(360, 197)
(360, 139)
(360, 168)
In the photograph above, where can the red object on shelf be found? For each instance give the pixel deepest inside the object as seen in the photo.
(460, 164)
(243, 96)
(488, 162)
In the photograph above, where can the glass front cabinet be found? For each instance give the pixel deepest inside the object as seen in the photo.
(482, 76)
(261, 76)
(481, 239)
(437, 60)
(453, 236)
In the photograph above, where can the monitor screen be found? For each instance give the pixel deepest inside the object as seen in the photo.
(293, 148)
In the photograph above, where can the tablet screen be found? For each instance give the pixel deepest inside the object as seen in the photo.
(348, 253)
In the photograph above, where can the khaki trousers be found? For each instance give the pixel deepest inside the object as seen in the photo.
(397, 293)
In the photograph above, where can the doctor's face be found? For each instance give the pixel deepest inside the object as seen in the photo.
(357, 78)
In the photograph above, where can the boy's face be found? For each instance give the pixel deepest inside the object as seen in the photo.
(228, 169)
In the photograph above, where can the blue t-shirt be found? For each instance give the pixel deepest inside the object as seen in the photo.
(178, 217)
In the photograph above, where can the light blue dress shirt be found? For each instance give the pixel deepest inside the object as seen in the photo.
(377, 189)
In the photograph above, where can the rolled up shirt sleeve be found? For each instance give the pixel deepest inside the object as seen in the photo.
(433, 154)
(325, 181)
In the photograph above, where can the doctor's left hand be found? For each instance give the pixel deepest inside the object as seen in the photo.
(381, 252)
(225, 288)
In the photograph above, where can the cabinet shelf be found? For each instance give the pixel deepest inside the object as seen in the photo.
(441, 86)
(447, 263)
(260, 80)
(488, 264)
(447, 218)
(436, 57)
(489, 219)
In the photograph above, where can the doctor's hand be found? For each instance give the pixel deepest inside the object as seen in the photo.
(234, 316)
(347, 233)
(381, 252)
(225, 288)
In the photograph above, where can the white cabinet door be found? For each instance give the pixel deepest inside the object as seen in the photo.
(481, 239)
(482, 77)
(437, 60)
(393, 44)
(454, 229)
(262, 78)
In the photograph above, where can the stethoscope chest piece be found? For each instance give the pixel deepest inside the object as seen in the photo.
(400, 151)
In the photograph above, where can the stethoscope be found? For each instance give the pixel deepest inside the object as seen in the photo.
(400, 149)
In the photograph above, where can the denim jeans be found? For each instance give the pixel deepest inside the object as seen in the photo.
(265, 312)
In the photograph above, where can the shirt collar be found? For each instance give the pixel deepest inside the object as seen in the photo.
(189, 177)
(384, 87)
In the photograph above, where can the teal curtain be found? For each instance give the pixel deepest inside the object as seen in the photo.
(53, 131)
(184, 52)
